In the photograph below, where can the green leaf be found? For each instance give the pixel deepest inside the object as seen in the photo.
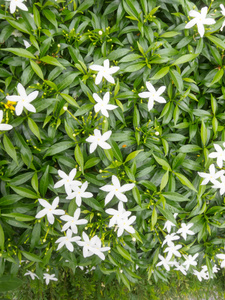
(217, 77)
(69, 99)
(79, 158)
(162, 162)
(2, 238)
(124, 253)
(26, 193)
(169, 34)
(18, 26)
(135, 67)
(161, 73)
(37, 69)
(37, 18)
(167, 214)
(137, 196)
(130, 57)
(218, 42)
(116, 151)
(9, 148)
(31, 256)
(51, 61)
(164, 180)
(58, 148)
(177, 79)
(93, 203)
(83, 110)
(184, 58)
(92, 162)
(20, 52)
(44, 182)
(9, 282)
(154, 218)
(175, 196)
(185, 181)
(189, 148)
(34, 128)
(50, 16)
(132, 155)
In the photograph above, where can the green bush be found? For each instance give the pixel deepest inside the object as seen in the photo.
(112, 140)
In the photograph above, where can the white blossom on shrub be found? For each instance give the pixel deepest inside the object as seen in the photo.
(49, 210)
(31, 274)
(153, 95)
(184, 230)
(67, 180)
(99, 140)
(103, 104)
(104, 71)
(212, 176)
(49, 277)
(17, 3)
(72, 222)
(67, 240)
(79, 193)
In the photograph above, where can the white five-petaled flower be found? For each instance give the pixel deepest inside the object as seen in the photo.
(116, 190)
(220, 155)
(118, 215)
(17, 3)
(172, 249)
(180, 268)
(212, 176)
(23, 100)
(223, 13)
(67, 240)
(99, 140)
(124, 224)
(49, 210)
(201, 275)
(184, 230)
(4, 126)
(168, 225)
(72, 222)
(79, 193)
(49, 277)
(31, 274)
(165, 262)
(200, 20)
(104, 71)
(221, 256)
(169, 238)
(220, 185)
(190, 260)
(92, 246)
(67, 180)
(153, 95)
(102, 104)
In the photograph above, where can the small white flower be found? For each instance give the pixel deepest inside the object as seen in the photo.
(104, 71)
(169, 238)
(200, 20)
(17, 3)
(118, 215)
(92, 246)
(221, 256)
(49, 210)
(102, 104)
(124, 224)
(49, 277)
(215, 269)
(212, 176)
(67, 240)
(190, 260)
(80, 193)
(100, 32)
(116, 190)
(165, 262)
(23, 100)
(67, 180)
(220, 155)
(184, 230)
(26, 44)
(31, 274)
(223, 13)
(172, 249)
(99, 140)
(153, 95)
(4, 126)
(168, 225)
(72, 222)
(180, 268)
(200, 275)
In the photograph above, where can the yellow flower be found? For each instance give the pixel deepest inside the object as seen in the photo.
(9, 105)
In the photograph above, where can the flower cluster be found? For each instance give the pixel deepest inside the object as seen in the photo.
(47, 277)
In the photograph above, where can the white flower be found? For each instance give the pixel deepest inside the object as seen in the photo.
(49, 277)
(215, 269)
(124, 224)
(67, 180)
(23, 99)
(116, 190)
(190, 260)
(169, 224)
(26, 44)
(165, 262)
(105, 72)
(15, 3)
(31, 274)
(220, 185)
(223, 13)
(212, 176)
(102, 104)
(169, 238)
(180, 268)
(99, 140)
(184, 230)
(153, 95)
(92, 246)
(200, 275)
(172, 249)
(16, 33)
(221, 256)
(49, 210)
(80, 193)
(4, 126)
(118, 215)
(72, 222)
(200, 20)
(67, 240)
(220, 155)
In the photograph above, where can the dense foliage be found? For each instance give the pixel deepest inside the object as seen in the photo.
(125, 131)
